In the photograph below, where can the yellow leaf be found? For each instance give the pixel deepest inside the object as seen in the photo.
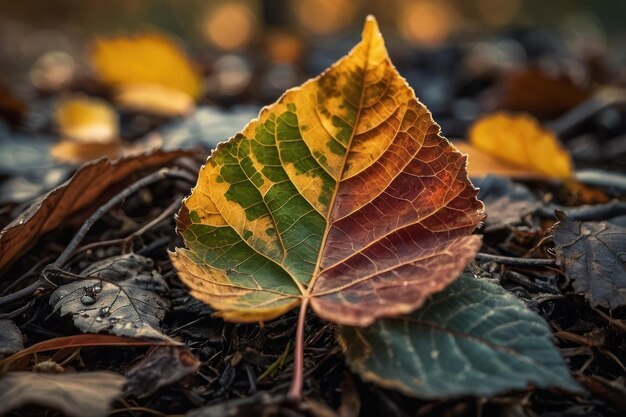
(155, 99)
(87, 120)
(521, 142)
(147, 60)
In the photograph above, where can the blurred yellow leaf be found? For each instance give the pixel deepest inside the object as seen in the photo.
(155, 99)
(480, 164)
(87, 120)
(520, 142)
(149, 61)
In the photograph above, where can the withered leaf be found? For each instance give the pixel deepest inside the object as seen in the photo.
(87, 120)
(74, 394)
(120, 295)
(593, 257)
(342, 194)
(87, 185)
(163, 366)
(148, 72)
(11, 339)
(521, 143)
(473, 338)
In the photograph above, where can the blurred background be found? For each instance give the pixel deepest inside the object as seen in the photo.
(464, 58)
(252, 50)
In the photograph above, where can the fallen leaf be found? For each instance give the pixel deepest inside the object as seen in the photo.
(87, 120)
(148, 71)
(474, 338)
(521, 142)
(75, 394)
(163, 366)
(342, 194)
(87, 185)
(120, 295)
(593, 257)
(11, 339)
(506, 202)
(81, 340)
(481, 164)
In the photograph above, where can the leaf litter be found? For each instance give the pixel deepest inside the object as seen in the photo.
(235, 356)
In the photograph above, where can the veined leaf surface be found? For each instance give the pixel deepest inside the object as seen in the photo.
(342, 194)
(474, 338)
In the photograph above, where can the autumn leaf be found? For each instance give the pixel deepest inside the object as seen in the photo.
(473, 338)
(121, 295)
(519, 143)
(88, 184)
(75, 394)
(148, 71)
(593, 256)
(342, 194)
(87, 120)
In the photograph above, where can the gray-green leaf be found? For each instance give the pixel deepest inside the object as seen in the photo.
(121, 295)
(474, 338)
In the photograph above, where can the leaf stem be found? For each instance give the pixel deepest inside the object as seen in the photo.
(295, 391)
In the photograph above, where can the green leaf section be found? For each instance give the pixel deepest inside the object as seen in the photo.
(474, 338)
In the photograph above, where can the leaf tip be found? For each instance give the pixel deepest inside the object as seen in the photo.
(370, 28)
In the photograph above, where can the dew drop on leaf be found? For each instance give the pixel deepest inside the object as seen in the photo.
(88, 299)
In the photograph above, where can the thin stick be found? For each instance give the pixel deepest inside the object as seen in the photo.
(147, 180)
(295, 391)
(169, 211)
(23, 293)
(515, 261)
(71, 247)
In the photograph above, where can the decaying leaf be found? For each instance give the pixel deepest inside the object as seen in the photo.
(120, 295)
(163, 366)
(11, 339)
(474, 338)
(87, 120)
(342, 194)
(60, 204)
(148, 71)
(69, 342)
(521, 142)
(74, 394)
(593, 257)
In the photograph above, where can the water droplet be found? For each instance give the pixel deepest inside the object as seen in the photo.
(97, 287)
(88, 299)
(104, 311)
(434, 354)
(98, 318)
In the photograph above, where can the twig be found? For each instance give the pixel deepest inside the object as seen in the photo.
(23, 293)
(515, 261)
(32, 271)
(147, 180)
(43, 282)
(17, 311)
(587, 212)
(168, 212)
